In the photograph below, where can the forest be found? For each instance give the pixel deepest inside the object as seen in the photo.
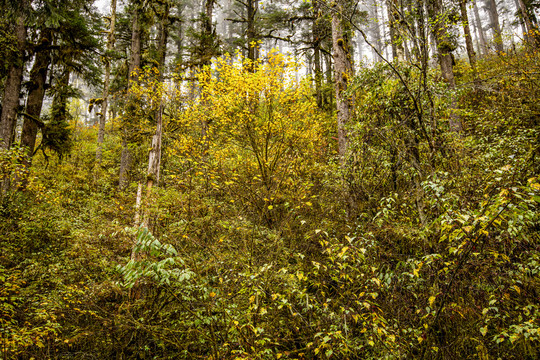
(270, 179)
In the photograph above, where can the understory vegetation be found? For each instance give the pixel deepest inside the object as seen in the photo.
(261, 244)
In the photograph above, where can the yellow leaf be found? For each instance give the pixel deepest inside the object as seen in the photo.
(431, 300)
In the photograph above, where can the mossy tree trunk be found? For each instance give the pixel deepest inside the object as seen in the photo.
(343, 73)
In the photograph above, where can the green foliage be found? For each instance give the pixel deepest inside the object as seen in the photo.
(249, 252)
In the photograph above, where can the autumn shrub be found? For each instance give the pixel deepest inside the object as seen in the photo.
(253, 140)
(453, 215)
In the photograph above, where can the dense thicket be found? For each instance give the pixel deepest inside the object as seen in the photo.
(270, 180)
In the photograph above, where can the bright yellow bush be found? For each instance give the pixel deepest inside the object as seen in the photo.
(263, 128)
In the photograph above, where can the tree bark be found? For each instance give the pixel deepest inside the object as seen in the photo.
(468, 38)
(521, 19)
(34, 102)
(394, 20)
(376, 32)
(441, 41)
(253, 53)
(343, 73)
(317, 38)
(481, 33)
(136, 43)
(491, 6)
(444, 55)
(133, 76)
(531, 36)
(36, 93)
(12, 87)
(154, 156)
(328, 99)
(106, 86)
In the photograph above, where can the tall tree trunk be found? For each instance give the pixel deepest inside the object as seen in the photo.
(468, 37)
(209, 14)
(444, 55)
(136, 47)
(532, 37)
(479, 50)
(179, 40)
(481, 33)
(34, 102)
(209, 33)
(394, 19)
(491, 6)
(36, 93)
(209, 36)
(521, 19)
(317, 34)
(106, 86)
(343, 73)
(12, 88)
(134, 67)
(253, 53)
(154, 156)
(328, 99)
(376, 31)
(441, 41)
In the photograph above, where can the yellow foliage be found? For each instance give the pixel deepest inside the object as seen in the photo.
(259, 129)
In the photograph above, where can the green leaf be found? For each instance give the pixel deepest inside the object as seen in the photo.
(483, 330)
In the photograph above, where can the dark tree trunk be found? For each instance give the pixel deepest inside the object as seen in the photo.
(253, 53)
(134, 67)
(36, 93)
(317, 38)
(531, 36)
(468, 37)
(521, 19)
(12, 88)
(208, 15)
